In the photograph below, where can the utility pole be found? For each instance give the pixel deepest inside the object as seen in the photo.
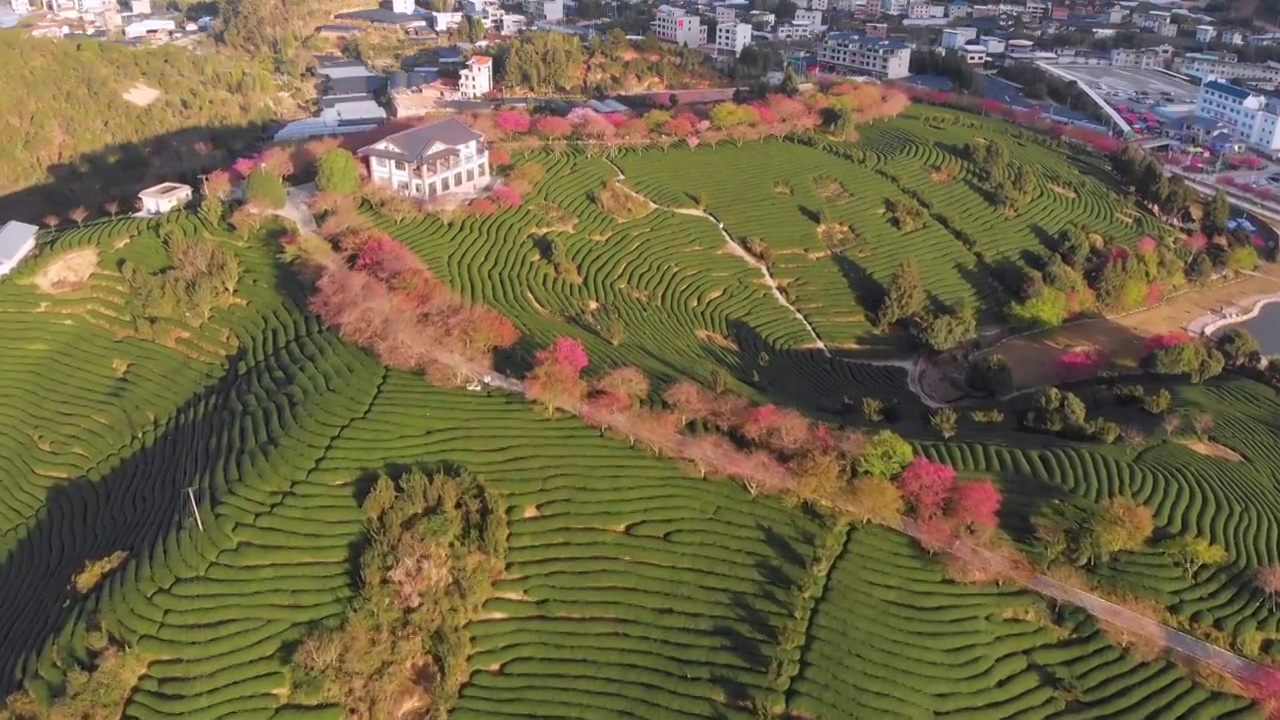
(191, 496)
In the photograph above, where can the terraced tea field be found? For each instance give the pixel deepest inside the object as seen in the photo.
(1234, 504)
(892, 638)
(632, 588)
(77, 388)
(685, 303)
(777, 191)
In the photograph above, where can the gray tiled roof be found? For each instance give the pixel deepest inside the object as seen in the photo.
(412, 144)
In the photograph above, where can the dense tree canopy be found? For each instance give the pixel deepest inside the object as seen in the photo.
(68, 126)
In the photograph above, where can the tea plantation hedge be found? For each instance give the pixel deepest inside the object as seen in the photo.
(76, 388)
(775, 191)
(1234, 504)
(686, 303)
(632, 589)
(892, 638)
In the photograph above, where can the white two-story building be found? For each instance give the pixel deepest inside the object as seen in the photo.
(442, 158)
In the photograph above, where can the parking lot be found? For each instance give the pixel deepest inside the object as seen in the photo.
(1126, 86)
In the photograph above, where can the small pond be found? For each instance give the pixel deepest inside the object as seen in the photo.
(1265, 326)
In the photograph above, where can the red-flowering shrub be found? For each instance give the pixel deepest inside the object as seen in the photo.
(506, 196)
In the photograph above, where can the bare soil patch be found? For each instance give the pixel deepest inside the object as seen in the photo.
(943, 175)
(717, 339)
(831, 189)
(530, 512)
(1122, 340)
(141, 95)
(67, 271)
(1212, 449)
(1064, 191)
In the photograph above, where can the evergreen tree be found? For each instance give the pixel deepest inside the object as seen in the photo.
(1214, 221)
(338, 171)
(906, 297)
(790, 83)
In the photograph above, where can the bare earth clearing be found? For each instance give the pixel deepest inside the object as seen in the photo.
(68, 271)
(1123, 339)
(1212, 449)
(141, 95)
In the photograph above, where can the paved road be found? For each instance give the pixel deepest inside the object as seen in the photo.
(297, 207)
(1207, 653)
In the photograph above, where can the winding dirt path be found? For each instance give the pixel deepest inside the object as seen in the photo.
(913, 365)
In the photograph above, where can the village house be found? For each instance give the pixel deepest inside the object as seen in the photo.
(17, 240)
(442, 158)
(160, 199)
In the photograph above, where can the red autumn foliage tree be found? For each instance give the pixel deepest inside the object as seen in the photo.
(506, 196)
(633, 129)
(277, 161)
(626, 385)
(388, 301)
(513, 121)
(779, 428)
(689, 400)
(926, 485)
(499, 158)
(681, 125)
(552, 127)
(974, 505)
(383, 258)
(217, 184)
(482, 207)
(556, 379)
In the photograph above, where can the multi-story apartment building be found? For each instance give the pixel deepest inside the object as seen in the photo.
(674, 25)
(918, 10)
(956, 38)
(21, 7)
(894, 7)
(731, 38)
(808, 17)
(1157, 57)
(1205, 33)
(855, 54)
(544, 10)
(726, 14)
(476, 79)
(1253, 118)
(1233, 37)
(1223, 66)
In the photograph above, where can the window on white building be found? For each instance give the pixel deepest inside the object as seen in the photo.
(482, 171)
(471, 174)
(444, 184)
(457, 178)
(380, 162)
